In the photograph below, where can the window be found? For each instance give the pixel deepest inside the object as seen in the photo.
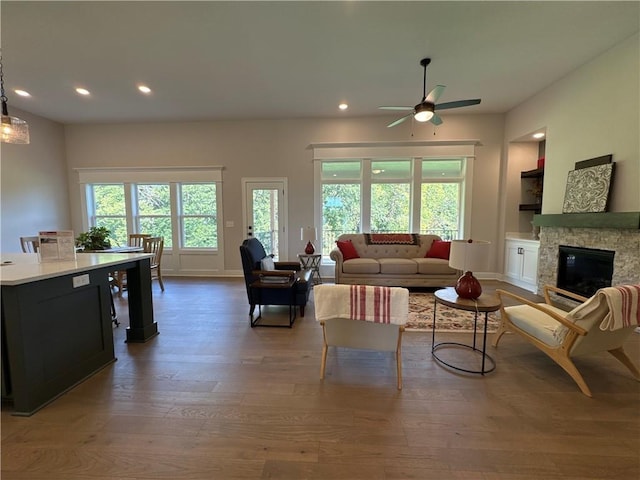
(390, 193)
(178, 203)
(387, 187)
(109, 210)
(340, 201)
(199, 209)
(154, 211)
(440, 197)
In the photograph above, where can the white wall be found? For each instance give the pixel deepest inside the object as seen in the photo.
(34, 193)
(591, 112)
(274, 148)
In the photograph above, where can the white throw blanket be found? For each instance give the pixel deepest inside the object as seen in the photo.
(362, 302)
(622, 302)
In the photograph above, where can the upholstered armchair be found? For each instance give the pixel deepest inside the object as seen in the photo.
(259, 269)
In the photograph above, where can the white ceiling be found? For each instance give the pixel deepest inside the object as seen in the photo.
(238, 60)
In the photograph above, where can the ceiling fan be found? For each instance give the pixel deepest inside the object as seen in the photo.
(426, 110)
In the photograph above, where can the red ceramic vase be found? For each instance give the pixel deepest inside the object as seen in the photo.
(309, 249)
(468, 287)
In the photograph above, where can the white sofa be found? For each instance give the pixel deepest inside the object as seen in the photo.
(396, 265)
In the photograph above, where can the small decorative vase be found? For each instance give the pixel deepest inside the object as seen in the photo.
(468, 287)
(309, 249)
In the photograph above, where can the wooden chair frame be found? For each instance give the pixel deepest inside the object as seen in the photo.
(30, 244)
(561, 354)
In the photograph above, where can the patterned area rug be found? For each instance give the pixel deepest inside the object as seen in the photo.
(447, 319)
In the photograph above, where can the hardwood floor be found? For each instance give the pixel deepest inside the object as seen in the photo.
(212, 398)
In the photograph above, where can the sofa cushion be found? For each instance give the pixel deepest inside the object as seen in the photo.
(403, 266)
(439, 249)
(347, 249)
(361, 265)
(434, 266)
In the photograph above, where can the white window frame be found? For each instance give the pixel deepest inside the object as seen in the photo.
(417, 151)
(130, 177)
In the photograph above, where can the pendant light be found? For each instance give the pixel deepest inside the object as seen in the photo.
(13, 130)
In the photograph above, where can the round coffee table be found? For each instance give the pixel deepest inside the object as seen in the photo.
(484, 303)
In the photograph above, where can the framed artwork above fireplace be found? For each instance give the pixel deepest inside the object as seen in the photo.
(588, 189)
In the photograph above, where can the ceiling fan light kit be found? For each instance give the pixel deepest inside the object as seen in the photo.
(425, 111)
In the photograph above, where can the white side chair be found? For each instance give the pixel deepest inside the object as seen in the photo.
(364, 317)
(564, 335)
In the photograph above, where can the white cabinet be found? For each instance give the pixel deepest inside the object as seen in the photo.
(521, 263)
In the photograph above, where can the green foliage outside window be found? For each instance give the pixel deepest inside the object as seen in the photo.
(439, 212)
(199, 210)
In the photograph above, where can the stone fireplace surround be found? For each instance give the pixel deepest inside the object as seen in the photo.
(625, 242)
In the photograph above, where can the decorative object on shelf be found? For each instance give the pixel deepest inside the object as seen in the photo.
(97, 238)
(468, 255)
(14, 130)
(535, 231)
(309, 234)
(588, 189)
(536, 190)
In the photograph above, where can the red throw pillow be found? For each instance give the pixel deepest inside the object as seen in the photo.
(347, 249)
(439, 249)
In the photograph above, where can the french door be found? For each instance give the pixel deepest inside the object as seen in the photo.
(266, 213)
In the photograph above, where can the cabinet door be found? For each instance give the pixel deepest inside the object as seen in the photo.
(513, 261)
(530, 265)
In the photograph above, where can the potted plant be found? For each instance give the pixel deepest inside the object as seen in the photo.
(97, 238)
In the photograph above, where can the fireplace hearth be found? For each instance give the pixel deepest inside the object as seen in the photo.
(584, 270)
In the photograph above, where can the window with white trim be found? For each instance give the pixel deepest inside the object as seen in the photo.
(366, 188)
(184, 212)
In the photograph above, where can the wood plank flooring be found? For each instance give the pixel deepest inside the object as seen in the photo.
(212, 398)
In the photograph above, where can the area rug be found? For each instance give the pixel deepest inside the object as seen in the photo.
(447, 319)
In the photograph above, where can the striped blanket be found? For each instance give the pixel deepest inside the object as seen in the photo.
(362, 302)
(622, 305)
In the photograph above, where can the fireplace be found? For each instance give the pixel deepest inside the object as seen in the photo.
(584, 270)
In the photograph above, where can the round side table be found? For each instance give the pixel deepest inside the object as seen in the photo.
(484, 303)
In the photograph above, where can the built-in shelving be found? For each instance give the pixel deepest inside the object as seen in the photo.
(532, 180)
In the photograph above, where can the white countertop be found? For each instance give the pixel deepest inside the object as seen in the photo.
(521, 236)
(19, 268)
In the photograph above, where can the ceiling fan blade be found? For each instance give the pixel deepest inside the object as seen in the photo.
(436, 120)
(399, 121)
(395, 108)
(434, 94)
(456, 104)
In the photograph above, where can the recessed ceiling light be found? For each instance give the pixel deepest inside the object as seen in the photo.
(144, 89)
(82, 91)
(538, 135)
(343, 106)
(22, 93)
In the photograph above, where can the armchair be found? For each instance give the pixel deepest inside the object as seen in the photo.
(293, 290)
(585, 329)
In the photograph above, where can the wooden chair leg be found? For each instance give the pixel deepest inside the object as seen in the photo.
(399, 357)
(323, 362)
(160, 279)
(622, 356)
(502, 329)
(571, 369)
